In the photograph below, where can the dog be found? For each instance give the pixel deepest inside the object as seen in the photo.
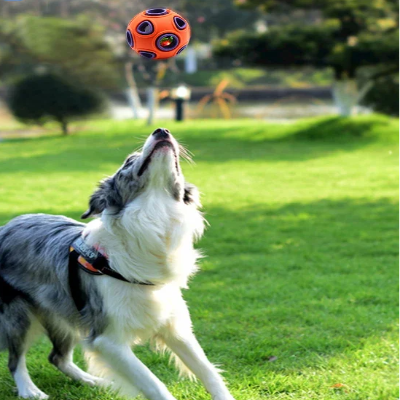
(146, 219)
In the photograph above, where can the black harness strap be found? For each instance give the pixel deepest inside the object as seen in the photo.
(88, 259)
(74, 282)
(101, 264)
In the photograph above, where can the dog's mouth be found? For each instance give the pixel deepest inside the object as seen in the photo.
(160, 144)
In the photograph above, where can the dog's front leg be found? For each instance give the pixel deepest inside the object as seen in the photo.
(121, 359)
(188, 349)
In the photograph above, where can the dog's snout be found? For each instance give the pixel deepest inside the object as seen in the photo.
(161, 133)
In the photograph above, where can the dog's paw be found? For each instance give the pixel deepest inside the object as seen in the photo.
(88, 381)
(32, 393)
(93, 381)
(224, 397)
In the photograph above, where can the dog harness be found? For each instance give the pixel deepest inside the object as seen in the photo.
(94, 262)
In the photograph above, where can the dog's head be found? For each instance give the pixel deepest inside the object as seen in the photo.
(156, 166)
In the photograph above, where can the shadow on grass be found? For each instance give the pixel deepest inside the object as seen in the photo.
(299, 142)
(334, 129)
(269, 143)
(302, 283)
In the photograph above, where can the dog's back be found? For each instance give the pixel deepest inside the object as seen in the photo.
(34, 251)
(33, 275)
(35, 293)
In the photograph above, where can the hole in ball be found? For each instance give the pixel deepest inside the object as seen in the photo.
(147, 54)
(156, 11)
(145, 28)
(129, 38)
(180, 23)
(181, 49)
(167, 42)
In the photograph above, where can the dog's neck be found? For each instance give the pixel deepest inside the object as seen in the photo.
(152, 240)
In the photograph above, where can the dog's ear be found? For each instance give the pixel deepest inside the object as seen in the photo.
(105, 196)
(97, 204)
(191, 195)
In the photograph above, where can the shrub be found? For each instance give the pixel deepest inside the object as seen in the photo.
(384, 95)
(39, 98)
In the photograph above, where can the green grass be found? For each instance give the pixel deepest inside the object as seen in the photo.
(297, 298)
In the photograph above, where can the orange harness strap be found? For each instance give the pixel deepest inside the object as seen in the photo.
(92, 261)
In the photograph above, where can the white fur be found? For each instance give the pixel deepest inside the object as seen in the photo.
(68, 367)
(151, 241)
(25, 387)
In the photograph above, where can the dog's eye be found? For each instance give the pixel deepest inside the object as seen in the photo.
(129, 162)
(125, 168)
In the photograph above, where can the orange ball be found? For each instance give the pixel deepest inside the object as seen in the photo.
(158, 33)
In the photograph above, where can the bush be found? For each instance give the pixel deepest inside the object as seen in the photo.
(39, 98)
(384, 95)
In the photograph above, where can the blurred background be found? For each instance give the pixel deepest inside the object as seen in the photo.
(275, 60)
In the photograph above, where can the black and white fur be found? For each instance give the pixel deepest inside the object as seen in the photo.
(147, 219)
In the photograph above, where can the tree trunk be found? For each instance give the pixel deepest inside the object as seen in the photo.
(5, 12)
(152, 96)
(190, 60)
(38, 8)
(132, 91)
(64, 8)
(64, 127)
(347, 95)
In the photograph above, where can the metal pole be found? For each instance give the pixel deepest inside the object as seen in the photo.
(179, 109)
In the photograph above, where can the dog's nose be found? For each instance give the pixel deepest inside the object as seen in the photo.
(161, 133)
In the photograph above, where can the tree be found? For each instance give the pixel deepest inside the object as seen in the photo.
(39, 98)
(212, 19)
(73, 47)
(350, 34)
(384, 95)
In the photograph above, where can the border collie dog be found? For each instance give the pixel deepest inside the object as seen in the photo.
(146, 220)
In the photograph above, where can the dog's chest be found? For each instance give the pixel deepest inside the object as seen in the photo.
(135, 313)
(155, 242)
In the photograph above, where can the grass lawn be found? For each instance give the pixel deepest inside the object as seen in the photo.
(297, 298)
